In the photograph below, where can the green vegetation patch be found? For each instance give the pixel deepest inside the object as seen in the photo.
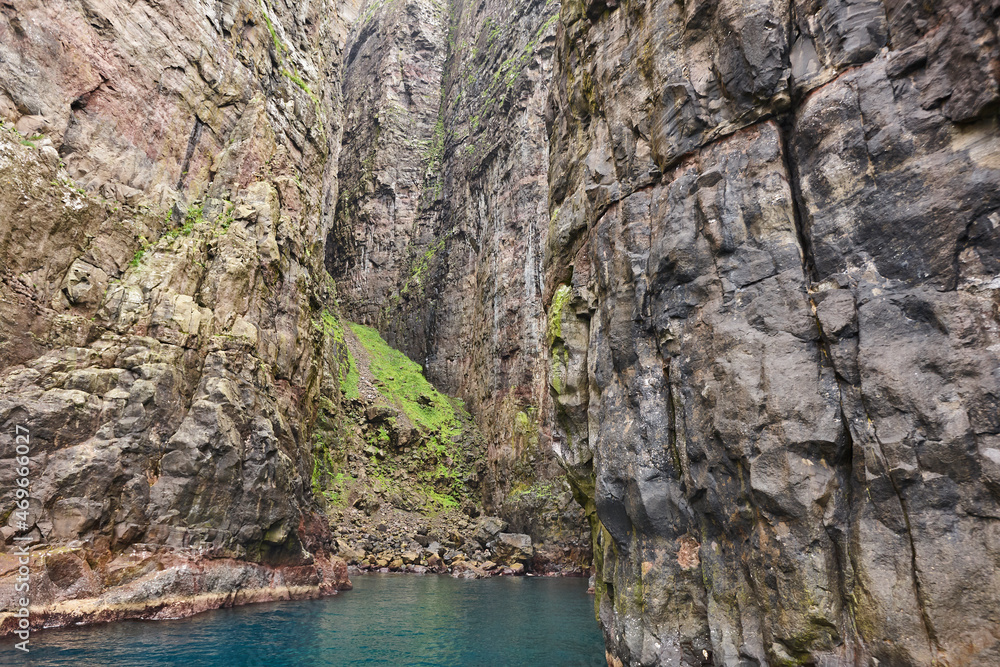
(329, 452)
(350, 380)
(137, 257)
(297, 80)
(540, 491)
(278, 45)
(402, 381)
(194, 216)
(559, 301)
(440, 465)
(339, 489)
(422, 264)
(431, 468)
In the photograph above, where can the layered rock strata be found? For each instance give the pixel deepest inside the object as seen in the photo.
(165, 170)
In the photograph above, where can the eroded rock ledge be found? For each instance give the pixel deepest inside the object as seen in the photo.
(67, 589)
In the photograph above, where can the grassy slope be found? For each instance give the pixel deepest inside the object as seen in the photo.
(430, 472)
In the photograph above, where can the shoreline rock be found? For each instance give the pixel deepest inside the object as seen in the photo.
(467, 570)
(394, 541)
(160, 586)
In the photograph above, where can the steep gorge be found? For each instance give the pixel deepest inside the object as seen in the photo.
(726, 270)
(440, 226)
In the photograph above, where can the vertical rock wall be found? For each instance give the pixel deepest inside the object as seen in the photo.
(772, 280)
(442, 217)
(393, 143)
(166, 166)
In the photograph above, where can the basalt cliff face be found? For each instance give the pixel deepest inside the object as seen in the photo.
(724, 272)
(773, 270)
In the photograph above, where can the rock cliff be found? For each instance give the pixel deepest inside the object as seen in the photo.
(441, 224)
(166, 170)
(772, 279)
(205, 426)
(726, 273)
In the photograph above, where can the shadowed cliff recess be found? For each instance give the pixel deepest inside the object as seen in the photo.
(707, 288)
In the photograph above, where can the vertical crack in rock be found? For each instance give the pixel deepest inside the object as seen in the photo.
(961, 243)
(838, 535)
(914, 568)
(189, 152)
(786, 123)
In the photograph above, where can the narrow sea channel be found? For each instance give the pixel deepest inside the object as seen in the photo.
(400, 620)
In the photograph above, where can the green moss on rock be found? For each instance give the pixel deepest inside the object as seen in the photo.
(402, 381)
(559, 301)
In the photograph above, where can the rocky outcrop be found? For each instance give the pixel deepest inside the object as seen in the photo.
(157, 586)
(165, 168)
(772, 295)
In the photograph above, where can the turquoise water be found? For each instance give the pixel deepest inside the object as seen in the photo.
(404, 620)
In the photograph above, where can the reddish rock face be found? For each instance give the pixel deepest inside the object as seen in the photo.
(154, 586)
(164, 169)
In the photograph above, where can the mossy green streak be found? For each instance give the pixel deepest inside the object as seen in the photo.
(401, 380)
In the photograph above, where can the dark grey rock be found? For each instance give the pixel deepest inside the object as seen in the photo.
(778, 359)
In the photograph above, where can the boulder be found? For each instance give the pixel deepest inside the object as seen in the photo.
(489, 527)
(510, 548)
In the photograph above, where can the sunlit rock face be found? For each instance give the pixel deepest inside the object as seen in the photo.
(165, 169)
(773, 268)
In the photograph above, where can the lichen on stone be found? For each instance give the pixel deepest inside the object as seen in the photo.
(560, 299)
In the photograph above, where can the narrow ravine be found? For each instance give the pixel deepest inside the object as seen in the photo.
(698, 300)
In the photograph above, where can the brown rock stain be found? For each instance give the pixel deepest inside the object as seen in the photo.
(687, 554)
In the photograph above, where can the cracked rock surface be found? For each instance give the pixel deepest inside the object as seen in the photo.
(772, 265)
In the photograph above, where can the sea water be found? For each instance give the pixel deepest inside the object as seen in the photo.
(388, 619)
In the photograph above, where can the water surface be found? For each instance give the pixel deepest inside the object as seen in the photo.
(399, 620)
